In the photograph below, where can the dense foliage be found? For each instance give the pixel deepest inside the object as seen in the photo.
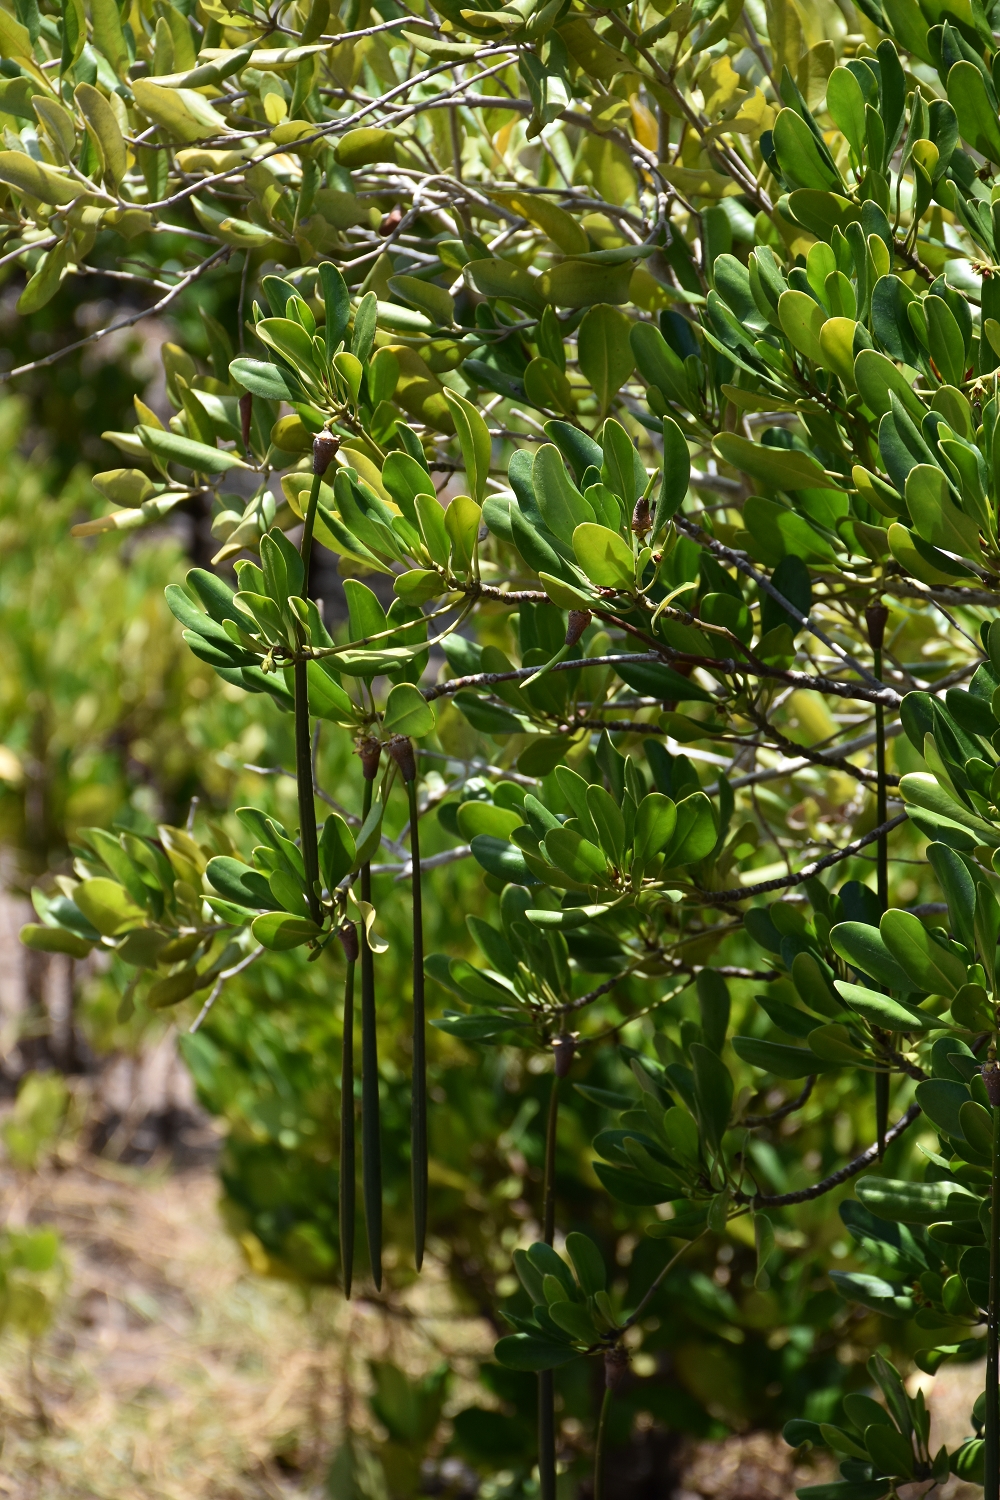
(654, 395)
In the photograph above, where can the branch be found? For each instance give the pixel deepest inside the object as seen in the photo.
(756, 1121)
(782, 882)
(223, 252)
(805, 1195)
(742, 562)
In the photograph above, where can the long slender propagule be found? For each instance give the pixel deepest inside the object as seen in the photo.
(401, 751)
(347, 1206)
(371, 1127)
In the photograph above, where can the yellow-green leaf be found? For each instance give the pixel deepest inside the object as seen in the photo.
(185, 113)
(604, 556)
(105, 131)
(36, 179)
(801, 319)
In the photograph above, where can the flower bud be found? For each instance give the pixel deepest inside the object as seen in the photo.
(325, 446)
(400, 748)
(246, 413)
(370, 751)
(348, 935)
(578, 621)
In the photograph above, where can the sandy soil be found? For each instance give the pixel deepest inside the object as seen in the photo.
(172, 1373)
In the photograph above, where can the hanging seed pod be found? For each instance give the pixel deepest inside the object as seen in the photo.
(348, 1188)
(401, 750)
(369, 751)
(246, 416)
(991, 1079)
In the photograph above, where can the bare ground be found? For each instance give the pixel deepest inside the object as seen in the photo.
(174, 1373)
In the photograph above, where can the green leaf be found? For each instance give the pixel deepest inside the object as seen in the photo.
(408, 712)
(864, 947)
(562, 506)
(658, 363)
(173, 448)
(876, 377)
(941, 1100)
(175, 988)
(37, 180)
(105, 131)
(588, 1263)
(327, 699)
(802, 163)
(500, 858)
(609, 822)
(44, 939)
(365, 146)
(780, 468)
(574, 1320)
(488, 718)
(928, 963)
(474, 437)
(977, 1127)
(917, 1202)
(713, 1092)
(695, 834)
(265, 380)
(676, 475)
(604, 352)
(504, 279)
(184, 113)
(585, 283)
(525, 1351)
(107, 906)
(576, 856)
(629, 1187)
(923, 791)
(337, 851)
(606, 559)
(279, 931)
(239, 883)
(802, 319)
(977, 118)
(109, 37)
(947, 347)
(935, 515)
(921, 559)
(777, 1058)
(546, 387)
(846, 104)
(880, 1010)
(655, 822)
(433, 300)
(872, 1292)
(890, 1450)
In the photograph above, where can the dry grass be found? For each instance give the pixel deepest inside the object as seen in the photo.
(172, 1372)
